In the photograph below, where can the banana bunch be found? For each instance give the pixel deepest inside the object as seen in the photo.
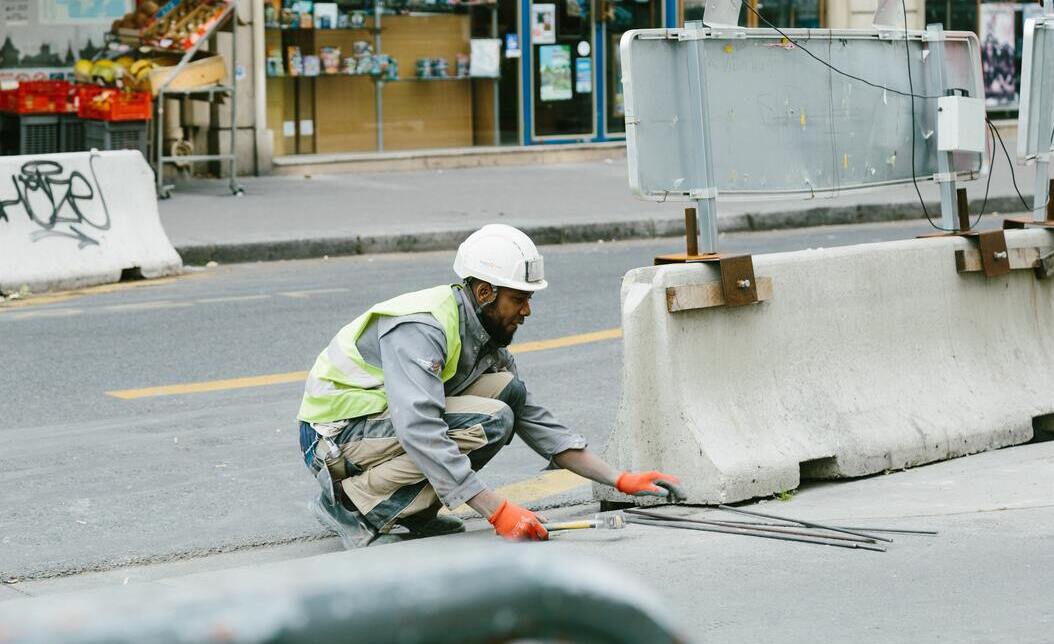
(140, 69)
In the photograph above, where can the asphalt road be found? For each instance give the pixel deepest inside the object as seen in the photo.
(91, 481)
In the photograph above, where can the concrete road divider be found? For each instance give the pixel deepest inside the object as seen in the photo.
(454, 592)
(866, 358)
(77, 219)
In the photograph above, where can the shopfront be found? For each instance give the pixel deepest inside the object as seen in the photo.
(362, 78)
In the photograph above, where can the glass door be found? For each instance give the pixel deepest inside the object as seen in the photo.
(619, 17)
(562, 76)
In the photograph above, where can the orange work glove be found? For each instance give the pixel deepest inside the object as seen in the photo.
(517, 524)
(650, 484)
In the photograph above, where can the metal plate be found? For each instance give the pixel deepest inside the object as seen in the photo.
(782, 123)
(994, 255)
(737, 280)
(1035, 125)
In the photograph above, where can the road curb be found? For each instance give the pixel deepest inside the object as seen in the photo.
(309, 248)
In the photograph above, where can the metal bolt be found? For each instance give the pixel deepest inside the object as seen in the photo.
(743, 284)
(1000, 254)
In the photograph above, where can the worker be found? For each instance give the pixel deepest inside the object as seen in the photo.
(417, 394)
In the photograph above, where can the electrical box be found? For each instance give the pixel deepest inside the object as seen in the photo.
(960, 124)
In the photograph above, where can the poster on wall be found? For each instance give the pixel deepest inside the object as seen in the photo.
(997, 53)
(543, 24)
(41, 39)
(584, 75)
(485, 58)
(16, 12)
(554, 67)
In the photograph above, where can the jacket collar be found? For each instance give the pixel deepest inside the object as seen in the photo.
(473, 328)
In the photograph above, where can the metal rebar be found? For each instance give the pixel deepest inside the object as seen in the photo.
(754, 533)
(807, 524)
(787, 529)
(843, 527)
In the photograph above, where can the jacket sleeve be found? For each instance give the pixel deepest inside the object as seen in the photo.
(536, 425)
(413, 355)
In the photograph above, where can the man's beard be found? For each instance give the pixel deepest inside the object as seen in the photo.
(496, 330)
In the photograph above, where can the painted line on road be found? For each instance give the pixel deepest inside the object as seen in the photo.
(316, 291)
(56, 297)
(299, 376)
(43, 313)
(232, 298)
(532, 489)
(148, 306)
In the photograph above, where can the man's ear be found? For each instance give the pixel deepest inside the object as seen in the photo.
(484, 293)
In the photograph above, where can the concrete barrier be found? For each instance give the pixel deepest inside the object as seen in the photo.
(866, 358)
(76, 219)
(440, 591)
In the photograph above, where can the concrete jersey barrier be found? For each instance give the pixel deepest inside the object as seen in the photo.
(77, 219)
(866, 358)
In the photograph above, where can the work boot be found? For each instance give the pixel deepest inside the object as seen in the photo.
(428, 523)
(350, 526)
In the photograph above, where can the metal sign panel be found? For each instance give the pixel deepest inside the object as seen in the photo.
(781, 122)
(1035, 123)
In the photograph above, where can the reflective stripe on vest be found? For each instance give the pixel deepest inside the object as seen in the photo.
(343, 385)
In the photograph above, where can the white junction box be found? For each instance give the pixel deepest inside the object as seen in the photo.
(960, 124)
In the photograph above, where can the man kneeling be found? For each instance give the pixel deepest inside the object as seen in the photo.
(414, 396)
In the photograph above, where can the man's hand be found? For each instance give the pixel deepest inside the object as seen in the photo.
(517, 524)
(650, 484)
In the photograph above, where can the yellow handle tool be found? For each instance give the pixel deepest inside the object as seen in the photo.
(602, 522)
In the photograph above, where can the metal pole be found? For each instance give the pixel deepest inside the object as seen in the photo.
(232, 168)
(945, 172)
(159, 127)
(1042, 189)
(496, 83)
(740, 525)
(378, 87)
(706, 198)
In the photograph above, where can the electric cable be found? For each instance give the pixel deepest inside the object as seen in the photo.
(1013, 175)
(832, 67)
(914, 125)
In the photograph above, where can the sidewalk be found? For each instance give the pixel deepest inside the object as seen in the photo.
(285, 217)
(985, 577)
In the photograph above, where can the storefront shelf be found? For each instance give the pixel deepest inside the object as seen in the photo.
(371, 30)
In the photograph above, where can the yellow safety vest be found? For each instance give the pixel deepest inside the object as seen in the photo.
(342, 384)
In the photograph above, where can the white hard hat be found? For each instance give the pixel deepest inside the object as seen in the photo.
(502, 256)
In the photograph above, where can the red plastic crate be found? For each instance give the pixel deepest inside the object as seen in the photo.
(37, 97)
(112, 104)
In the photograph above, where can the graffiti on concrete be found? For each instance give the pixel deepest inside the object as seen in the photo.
(64, 205)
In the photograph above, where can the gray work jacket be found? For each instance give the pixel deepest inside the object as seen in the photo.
(407, 348)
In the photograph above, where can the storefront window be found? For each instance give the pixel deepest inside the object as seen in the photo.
(562, 68)
(1000, 28)
(347, 77)
(619, 17)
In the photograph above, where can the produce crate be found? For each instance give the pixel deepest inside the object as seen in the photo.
(71, 133)
(108, 135)
(29, 133)
(37, 97)
(111, 104)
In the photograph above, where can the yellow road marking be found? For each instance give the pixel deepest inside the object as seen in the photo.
(211, 385)
(534, 489)
(299, 376)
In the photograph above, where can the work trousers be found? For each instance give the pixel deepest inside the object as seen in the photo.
(379, 477)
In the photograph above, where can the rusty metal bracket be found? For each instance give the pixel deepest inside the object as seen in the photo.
(738, 285)
(1026, 222)
(995, 258)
